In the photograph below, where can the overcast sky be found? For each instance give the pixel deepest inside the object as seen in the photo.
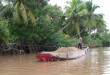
(104, 8)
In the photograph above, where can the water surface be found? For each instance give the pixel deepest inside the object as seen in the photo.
(97, 62)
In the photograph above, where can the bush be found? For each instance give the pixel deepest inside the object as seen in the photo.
(92, 42)
(4, 31)
(61, 39)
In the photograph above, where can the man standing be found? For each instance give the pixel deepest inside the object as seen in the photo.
(80, 42)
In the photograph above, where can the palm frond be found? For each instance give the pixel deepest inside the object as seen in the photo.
(95, 7)
(32, 18)
(16, 15)
(30, 15)
(83, 12)
(23, 13)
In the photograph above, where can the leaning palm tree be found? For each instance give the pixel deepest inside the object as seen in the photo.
(76, 11)
(20, 12)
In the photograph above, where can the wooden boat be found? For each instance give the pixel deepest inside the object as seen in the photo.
(73, 55)
(52, 56)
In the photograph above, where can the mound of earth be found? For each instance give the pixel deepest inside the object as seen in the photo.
(66, 49)
(63, 51)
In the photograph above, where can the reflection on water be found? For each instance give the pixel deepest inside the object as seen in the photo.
(97, 62)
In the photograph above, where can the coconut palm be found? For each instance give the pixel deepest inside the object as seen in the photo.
(21, 13)
(76, 11)
(90, 8)
(90, 20)
(100, 24)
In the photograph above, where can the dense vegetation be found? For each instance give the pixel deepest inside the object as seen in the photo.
(36, 22)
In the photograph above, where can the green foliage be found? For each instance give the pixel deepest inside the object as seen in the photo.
(92, 42)
(61, 39)
(56, 16)
(18, 11)
(35, 21)
(4, 31)
(81, 14)
(24, 34)
(105, 39)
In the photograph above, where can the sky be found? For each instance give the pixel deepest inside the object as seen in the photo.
(104, 8)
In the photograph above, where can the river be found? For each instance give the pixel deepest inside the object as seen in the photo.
(97, 62)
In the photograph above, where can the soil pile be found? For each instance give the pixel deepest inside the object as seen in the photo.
(66, 49)
(63, 51)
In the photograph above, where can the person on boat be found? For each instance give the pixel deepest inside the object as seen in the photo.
(79, 42)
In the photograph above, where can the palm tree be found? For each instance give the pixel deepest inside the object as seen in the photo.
(76, 12)
(90, 8)
(100, 24)
(21, 13)
(90, 20)
(81, 15)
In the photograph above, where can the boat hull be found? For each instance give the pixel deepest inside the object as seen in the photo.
(74, 55)
(52, 56)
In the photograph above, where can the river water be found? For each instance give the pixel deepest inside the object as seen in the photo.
(97, 62)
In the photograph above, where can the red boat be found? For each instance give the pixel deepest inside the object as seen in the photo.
(45, 57)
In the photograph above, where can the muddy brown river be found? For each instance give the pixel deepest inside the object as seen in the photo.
(97, 62)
